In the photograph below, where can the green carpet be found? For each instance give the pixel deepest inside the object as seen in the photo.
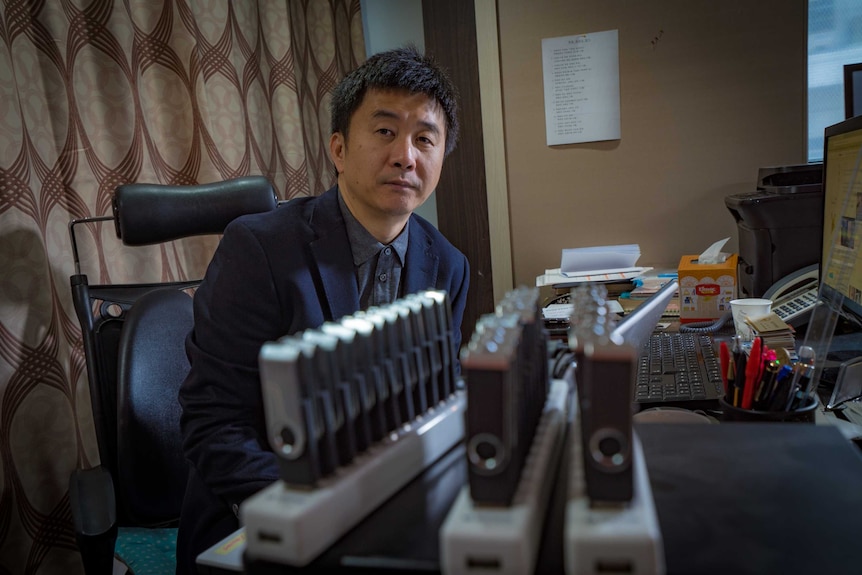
(148, 551)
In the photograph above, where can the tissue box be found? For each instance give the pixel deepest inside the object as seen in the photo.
(705, 290)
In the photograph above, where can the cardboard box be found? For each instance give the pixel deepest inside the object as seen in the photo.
(705, 290)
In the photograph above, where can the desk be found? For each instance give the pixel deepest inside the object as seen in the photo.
(398, 537)
(731, 498)
(756, 498)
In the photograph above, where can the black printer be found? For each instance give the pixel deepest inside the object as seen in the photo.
(780, 225)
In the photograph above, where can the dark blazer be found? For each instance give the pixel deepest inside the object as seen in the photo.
(273, 274)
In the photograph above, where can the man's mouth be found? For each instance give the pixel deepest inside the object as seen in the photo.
(401, 184)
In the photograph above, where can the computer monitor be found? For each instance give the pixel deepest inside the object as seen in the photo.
(834, 331)
(852, 90)
(636, 328)
(841, 264)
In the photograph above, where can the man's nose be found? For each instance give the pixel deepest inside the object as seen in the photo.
(404, 154)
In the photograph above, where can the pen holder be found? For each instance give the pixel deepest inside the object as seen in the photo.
(802, 415)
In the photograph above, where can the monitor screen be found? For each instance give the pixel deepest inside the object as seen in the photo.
(852, 90)
(841, 265)
(636, 328)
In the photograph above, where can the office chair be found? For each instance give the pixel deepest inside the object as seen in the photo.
(134, 346)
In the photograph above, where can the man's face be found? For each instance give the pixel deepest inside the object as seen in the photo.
(391, 160)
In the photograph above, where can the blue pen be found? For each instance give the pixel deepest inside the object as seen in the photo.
(778, 394)
(784, 372)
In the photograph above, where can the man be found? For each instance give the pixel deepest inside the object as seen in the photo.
(315, 259)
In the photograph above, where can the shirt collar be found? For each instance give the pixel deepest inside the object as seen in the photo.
(365, 246)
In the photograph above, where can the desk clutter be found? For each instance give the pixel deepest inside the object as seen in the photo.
(544, 457)
(624, 295)
(347, 443)
(766, 384)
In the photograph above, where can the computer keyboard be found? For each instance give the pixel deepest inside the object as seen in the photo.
(680, 369)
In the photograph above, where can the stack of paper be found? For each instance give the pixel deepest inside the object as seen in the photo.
(594, 264)
(599, 259)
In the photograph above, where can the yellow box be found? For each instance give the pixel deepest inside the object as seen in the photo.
(705, 290)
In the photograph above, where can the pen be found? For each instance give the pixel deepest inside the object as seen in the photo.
(779, 398)
(724, 362)
(739, 361)
(783, 376)
(767, 381)
(802, 382)
(752, 371)
(766, 355)
(731, 382)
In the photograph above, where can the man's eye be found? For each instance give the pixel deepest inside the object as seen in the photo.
(385, 131)
(426, 140)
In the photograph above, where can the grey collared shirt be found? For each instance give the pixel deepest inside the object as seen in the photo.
(378, 266)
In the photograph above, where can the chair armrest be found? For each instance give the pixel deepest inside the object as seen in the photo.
(94, 516)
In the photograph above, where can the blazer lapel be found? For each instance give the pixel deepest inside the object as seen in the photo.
(333, 256)
(335, 264)
(421, 266)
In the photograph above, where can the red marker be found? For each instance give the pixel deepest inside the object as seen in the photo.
(752, 370)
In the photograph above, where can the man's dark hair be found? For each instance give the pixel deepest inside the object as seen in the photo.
(400, 69)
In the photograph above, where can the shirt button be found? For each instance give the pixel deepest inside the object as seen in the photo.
(387, 251)
(382, 277)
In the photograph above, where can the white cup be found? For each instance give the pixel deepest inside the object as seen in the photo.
(750, 307)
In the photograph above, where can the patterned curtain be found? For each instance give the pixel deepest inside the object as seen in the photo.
(96, 93)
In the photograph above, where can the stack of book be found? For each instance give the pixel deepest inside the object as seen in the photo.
(645, 286)
(648, 284)
(773, 331)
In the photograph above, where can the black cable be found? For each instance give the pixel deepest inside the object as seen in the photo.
(705, 326)
(563, 358)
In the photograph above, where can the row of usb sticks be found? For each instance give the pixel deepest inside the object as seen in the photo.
(333, 392)
(505, 368)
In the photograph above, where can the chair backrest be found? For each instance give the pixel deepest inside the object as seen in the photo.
(118, 338)
(152, 364)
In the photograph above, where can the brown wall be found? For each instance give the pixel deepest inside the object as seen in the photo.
(718, 94)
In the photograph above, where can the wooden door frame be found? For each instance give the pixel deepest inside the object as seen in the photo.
(462, 36)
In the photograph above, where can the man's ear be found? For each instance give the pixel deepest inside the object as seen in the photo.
(337, 148)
